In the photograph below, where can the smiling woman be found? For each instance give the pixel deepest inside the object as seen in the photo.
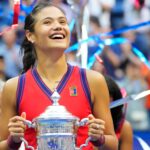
(45, 67)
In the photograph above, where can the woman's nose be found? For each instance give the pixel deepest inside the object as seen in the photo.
(57, 26)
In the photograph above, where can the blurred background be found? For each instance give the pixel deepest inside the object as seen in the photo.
(128, 63)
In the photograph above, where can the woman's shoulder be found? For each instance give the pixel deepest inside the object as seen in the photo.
(12, 82)
(126, 127)
(96, 82)
(94, 75)
(10, 86)
(9, 91)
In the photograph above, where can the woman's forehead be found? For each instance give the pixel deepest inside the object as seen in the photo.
(51, 12)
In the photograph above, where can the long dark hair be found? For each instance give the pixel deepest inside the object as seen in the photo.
(115, 94)
(27, 48)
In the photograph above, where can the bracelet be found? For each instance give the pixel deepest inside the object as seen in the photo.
(99, 142)
(12, 144)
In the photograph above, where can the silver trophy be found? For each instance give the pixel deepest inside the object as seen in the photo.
(56, 128)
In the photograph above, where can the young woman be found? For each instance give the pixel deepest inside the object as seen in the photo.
(45, 70)
(122, 127)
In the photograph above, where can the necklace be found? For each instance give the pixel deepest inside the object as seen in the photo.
(51, 84)
(55, 85)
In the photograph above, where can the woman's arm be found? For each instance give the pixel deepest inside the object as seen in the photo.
(9, 127)
(100, 97)
(126, 139)
(7, 110)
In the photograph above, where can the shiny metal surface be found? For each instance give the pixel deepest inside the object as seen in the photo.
(55, 128)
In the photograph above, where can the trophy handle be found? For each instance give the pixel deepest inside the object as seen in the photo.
(82, 123)
(26, 144)
(85, 144)
(30, 125)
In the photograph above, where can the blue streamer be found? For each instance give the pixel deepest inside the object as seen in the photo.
(112, 33)
(141, 56)
(92, 59)
(119, 40)
(77, 45)
(71, 25)
(125, 29)
(115, 41)
(101, 45)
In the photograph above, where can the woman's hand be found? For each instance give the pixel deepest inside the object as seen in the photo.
(96, 128)
(17, 127)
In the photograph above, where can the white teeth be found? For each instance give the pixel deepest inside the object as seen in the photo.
(57, 36)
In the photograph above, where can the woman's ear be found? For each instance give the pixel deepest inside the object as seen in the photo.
(30, 36)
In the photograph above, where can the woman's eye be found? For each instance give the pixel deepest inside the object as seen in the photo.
(47, 22)
(63, 22)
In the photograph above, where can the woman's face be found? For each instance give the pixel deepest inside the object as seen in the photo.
(51, 30)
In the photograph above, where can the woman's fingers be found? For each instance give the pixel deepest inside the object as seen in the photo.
(97, 121)
(17, 127)
(18, 124)
(16, 118)
(23, 115)
(96, 127)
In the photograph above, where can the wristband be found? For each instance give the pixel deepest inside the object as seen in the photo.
(12, 144)
(99, 142)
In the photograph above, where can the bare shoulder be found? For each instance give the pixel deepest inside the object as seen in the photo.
(126, 127)
(94, 78)
(11, 84)
(96, 83)
(10, 88)
(94, 75)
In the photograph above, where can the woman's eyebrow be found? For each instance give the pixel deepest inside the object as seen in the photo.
(54, 18)
(48, 18)
(62, 18)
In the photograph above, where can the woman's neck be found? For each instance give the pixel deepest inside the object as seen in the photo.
(52, 69)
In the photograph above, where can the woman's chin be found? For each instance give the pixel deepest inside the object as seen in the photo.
(62, 48)
(59, 46)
